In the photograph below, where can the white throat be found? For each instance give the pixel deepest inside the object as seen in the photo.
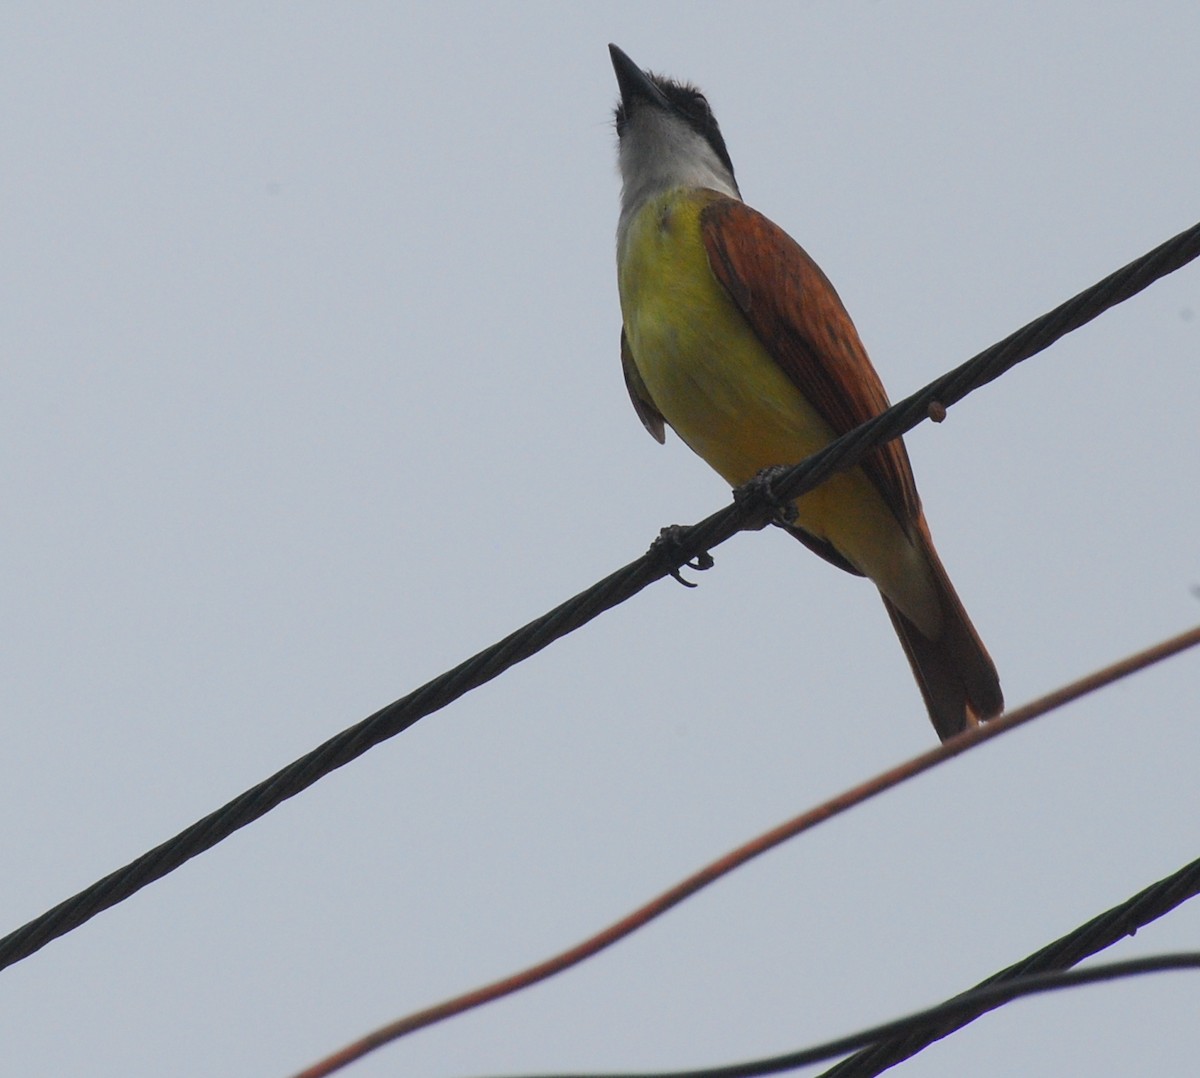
(659, 152)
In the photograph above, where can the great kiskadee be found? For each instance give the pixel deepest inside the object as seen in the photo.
(734, 338)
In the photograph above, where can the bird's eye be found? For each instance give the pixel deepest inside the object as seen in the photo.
(697, 107)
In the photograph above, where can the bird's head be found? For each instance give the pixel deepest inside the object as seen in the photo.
(668, 136)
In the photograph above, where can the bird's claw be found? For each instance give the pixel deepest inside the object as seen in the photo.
(666, 547)
(760, 491)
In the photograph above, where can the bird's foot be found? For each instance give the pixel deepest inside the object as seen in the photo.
(760, 492)
(667, 548)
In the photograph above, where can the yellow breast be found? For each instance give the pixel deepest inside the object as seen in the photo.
(702, 364)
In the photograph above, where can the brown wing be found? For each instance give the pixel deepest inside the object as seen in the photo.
(646, 409)
(799, 318)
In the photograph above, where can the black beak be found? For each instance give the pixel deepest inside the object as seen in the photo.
(636, 87)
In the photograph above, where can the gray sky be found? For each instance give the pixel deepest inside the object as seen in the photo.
(311, 389)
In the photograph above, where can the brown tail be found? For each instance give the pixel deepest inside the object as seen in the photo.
(954, 672)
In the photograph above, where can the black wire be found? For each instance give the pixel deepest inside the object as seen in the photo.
(687, 544)
(981, 999)
(1100, 932)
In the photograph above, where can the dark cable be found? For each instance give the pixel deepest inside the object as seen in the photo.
(985, 999)
(1099, 933)
(688, 543)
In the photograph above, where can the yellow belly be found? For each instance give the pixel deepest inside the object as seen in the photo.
(723, 394)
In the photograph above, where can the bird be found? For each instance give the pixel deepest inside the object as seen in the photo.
(734, 338)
